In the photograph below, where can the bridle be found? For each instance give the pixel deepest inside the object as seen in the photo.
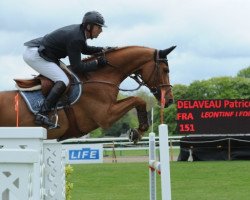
(138, 78)
(155, 75)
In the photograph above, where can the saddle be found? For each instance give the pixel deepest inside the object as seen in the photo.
(37, 83)
(35, 90)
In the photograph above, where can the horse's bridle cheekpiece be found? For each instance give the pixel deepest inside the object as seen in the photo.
(137, 77)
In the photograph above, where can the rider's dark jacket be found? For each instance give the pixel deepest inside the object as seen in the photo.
(67, 41)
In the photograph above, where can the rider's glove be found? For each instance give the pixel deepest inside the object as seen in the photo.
(108, 48)
(102, 61)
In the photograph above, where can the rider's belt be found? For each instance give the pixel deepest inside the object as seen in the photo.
(47, 55)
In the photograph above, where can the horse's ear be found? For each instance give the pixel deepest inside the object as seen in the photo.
(165, 52)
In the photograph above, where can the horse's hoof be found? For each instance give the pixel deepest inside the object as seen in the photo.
(144, 127)
(133, 135)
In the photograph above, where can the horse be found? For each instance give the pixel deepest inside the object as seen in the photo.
(98, 105)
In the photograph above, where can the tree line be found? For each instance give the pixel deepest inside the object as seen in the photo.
(237, 87)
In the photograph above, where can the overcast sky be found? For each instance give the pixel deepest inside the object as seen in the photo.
(212, 36)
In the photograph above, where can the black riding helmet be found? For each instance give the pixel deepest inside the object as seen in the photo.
(93, 17)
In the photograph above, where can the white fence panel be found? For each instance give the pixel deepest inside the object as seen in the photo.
(30, 167)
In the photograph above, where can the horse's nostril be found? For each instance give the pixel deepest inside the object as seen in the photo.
(170, 101)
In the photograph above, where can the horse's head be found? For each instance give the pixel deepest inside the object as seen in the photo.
(155, 75)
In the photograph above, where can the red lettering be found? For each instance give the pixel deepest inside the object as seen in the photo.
(191, 104)
(185, 116)
(179, 104)
(244, 114)
(186, 128)
(236, 103)
(217, 114)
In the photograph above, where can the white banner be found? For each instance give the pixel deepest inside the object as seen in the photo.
(83, 153)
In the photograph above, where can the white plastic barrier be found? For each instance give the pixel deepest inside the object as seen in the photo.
(161, 167)
(54, 171)
(30, 167)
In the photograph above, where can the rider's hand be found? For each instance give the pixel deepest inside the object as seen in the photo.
(102, 61)
(108, 48)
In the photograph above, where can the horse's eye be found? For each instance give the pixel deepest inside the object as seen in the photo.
(166, 70)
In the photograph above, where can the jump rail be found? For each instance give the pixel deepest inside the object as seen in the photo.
(161, 167)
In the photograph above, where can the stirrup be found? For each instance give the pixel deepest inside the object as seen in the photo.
(41, 119)
(55, 119)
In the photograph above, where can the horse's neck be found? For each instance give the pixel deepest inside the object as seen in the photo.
(122, 63)
(129, 59)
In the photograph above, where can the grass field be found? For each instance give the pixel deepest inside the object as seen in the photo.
(174, 152)
(225, 180)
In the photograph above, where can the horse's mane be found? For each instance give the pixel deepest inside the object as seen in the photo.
(109, 51)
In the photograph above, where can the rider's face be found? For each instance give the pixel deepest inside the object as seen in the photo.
(96, 31)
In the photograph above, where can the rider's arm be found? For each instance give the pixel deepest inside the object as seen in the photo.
(89, 50)
(74, 54)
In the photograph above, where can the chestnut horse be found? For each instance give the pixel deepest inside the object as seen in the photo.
(98, 105)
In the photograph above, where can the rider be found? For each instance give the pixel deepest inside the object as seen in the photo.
(43, 54)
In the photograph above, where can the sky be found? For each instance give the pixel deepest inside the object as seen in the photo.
(212, 36)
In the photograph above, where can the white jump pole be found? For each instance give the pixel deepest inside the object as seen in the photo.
(164, 159)
(162, 167)
(152, 172)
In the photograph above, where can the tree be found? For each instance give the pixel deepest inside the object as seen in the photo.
(180, 91)
(245, 73)
(121, 126)
(97, 133)
(219, 88)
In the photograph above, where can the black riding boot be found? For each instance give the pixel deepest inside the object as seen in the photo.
(42, 117)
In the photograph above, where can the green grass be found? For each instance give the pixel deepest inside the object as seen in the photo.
(126, 153)
(226, 180)
(135, 152)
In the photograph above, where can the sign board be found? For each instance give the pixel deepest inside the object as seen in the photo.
(83, 153)
(220, 116)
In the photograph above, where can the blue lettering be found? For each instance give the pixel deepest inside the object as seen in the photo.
(84, 154)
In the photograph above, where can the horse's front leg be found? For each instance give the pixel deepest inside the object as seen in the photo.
(121, 107)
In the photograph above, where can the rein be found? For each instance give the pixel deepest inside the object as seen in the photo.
(133, 76)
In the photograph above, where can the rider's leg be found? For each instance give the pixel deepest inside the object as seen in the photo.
(48, 69)
(54, 73)
(49, 103)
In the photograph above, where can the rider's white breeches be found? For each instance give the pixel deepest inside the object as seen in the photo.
(44, 67)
